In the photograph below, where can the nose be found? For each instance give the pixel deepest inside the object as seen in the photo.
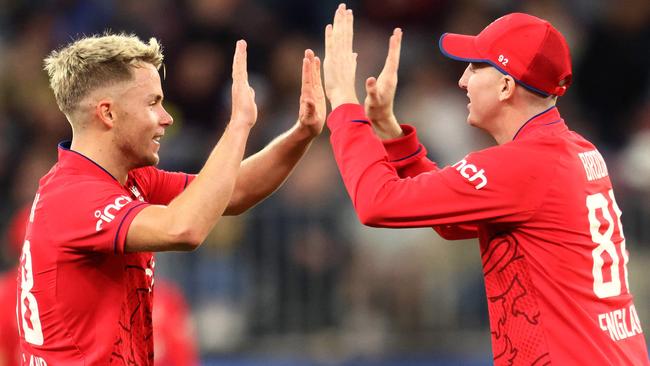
(462, 82)
(167, 119)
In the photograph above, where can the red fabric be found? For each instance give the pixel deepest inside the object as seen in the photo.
(9, 341)
(17, 228)
(528, 48)
(175, 341)
(83, 300)
(542, 210)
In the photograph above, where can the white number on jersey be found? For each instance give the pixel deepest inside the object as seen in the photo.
(598, 202)
(28, 307)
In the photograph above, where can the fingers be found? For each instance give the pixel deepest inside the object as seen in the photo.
(348, 30)
(329, 42)
(371, 88)
(239, 63)
(316, 78)
(394, 46)
(339, 34)
(339, 16)
(343, 26)
(306, 86)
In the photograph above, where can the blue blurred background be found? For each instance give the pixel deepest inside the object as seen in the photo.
(297, 280)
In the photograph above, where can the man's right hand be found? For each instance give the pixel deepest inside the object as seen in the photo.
(340, 64)
(244, 109)
(381, 93)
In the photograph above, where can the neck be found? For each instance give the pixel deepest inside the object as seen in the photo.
(514, 117)
(103, 154)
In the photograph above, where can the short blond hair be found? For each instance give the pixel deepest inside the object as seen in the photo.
(96, 61)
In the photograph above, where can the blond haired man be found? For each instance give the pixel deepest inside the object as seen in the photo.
(86, 282)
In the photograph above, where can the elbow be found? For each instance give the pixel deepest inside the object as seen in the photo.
(368, 216)
(187, 240)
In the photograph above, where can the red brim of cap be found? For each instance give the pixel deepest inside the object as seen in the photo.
(460, 47)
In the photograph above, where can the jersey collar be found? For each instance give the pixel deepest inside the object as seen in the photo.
(71, 159)
(543, 122)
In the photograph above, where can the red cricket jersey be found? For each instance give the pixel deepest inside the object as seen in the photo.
(543, 209)
(82, 299)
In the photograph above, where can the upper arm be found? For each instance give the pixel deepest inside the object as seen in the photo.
(154, 230)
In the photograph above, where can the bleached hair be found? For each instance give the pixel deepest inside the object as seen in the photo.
(96, 61)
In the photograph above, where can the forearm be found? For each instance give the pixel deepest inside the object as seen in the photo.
(262, 173)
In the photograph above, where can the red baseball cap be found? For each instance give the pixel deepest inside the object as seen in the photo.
(525, 47)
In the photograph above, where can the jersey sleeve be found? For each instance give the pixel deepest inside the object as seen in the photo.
(95, 220)
(493, 185)
(407, 155)
(409, 158)
(161, 186)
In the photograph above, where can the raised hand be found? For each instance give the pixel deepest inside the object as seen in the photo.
(244, 109)
(381, 93)
(340, 62)
(312, 98)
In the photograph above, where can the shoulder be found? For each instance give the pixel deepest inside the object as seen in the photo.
(510, 165)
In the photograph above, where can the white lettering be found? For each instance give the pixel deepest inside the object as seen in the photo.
(106, 215)
(634, 319)
(36, 361)
(464, 168)
(594, 164)
(616, 323)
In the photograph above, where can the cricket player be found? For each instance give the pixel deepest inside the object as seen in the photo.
(540, 202)
(87, 267)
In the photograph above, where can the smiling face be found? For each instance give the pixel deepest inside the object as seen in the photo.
(140, 119)
(482, 83)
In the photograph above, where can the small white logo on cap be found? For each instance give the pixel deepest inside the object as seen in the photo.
(504, 60)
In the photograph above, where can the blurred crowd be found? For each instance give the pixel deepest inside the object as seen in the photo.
(299, 275)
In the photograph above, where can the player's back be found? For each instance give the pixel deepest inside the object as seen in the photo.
(557, 283)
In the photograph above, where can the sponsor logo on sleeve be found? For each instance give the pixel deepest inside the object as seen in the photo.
(107, 214)
(473, 174)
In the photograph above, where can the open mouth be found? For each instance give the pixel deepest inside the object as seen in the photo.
(156, 139)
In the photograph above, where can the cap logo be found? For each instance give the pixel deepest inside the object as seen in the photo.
(503, 60)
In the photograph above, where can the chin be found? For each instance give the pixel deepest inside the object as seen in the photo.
(151, 160)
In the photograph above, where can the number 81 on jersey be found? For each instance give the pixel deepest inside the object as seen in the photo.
(599, 203)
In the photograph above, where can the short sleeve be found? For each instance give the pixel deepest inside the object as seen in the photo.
(160, 186)
(96, 220)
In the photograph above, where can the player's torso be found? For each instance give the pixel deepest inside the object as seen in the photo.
(557, 284)
(78, 306)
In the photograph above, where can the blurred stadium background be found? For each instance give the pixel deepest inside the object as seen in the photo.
(297, 280)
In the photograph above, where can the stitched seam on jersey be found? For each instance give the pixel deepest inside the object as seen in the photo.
(554, 122)
(119, 228)
(408, 156)
(531, 118)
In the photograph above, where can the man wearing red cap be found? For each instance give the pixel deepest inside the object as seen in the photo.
(540, 202)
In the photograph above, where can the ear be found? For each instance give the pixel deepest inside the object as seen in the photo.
(105, 113)
(506, 87)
